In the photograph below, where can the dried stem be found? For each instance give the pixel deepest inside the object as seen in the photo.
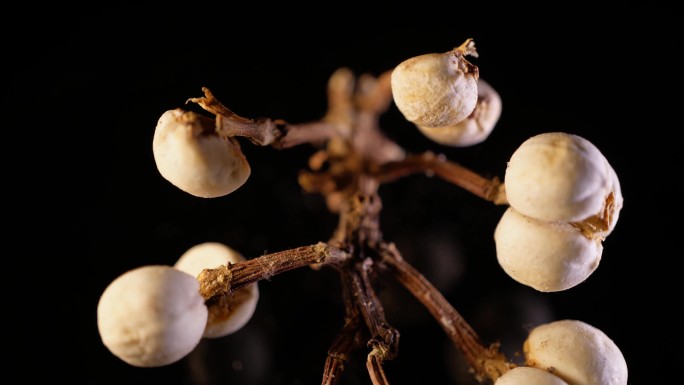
(384, 340)
(263, 132)
(374, 94)
(377, 374)
(486, 362)
(347, 340)
(429, 163)
(306, 133)
(224, 280)
(467, 48)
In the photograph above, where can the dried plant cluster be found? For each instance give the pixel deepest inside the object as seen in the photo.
(563, 200)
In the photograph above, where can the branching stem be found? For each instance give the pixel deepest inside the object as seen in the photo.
(224, 280)
(354, 159)
(263, 132)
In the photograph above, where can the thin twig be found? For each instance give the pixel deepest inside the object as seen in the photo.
(266, 131)
(384, 338)
(348, 339)
(315, 133)
(384, 342)
(486, 362)
(377, 374)
(429, 163)
(224, 280)
(374, 94)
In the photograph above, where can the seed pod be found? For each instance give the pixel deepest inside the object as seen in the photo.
(476, 127)
(436, 89)
(547, 256)
(190, 155)
(151, 316)
(227, 315)
(577, 352)
(562, 177)
(525, 375)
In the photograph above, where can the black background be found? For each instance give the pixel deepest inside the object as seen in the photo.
(88, 89)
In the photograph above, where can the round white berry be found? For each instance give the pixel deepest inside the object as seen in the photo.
(547, 256)
(476, 127)
(230, 315)
(151, 316)
(577, 352)
(194, 159)
(525, 375)
(558, 176)
(436, 89)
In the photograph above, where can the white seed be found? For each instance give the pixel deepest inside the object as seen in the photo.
(192, 158)
(560, 177)
(476, 127)
(225, 317)
(547, 256)
(577, 352)
(525, 375)
(436, 89)
(151, 316)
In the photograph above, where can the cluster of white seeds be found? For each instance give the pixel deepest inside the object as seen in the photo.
(564, 199)
(211, 255)
(442, 94)
(568, 352)
(154, 315)
(563, 194)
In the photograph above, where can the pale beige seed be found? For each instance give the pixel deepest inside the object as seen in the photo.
(151, 316)
(227, 317)
(476, 127)
(577, 352)
(525, 375)
(558, 176)
(194, 159)
(436, 89)
(547, 256)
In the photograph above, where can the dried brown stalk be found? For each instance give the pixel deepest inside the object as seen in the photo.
(225, 280)
(429, 163)
(353, 160)
(485, 362)
(348, 339)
